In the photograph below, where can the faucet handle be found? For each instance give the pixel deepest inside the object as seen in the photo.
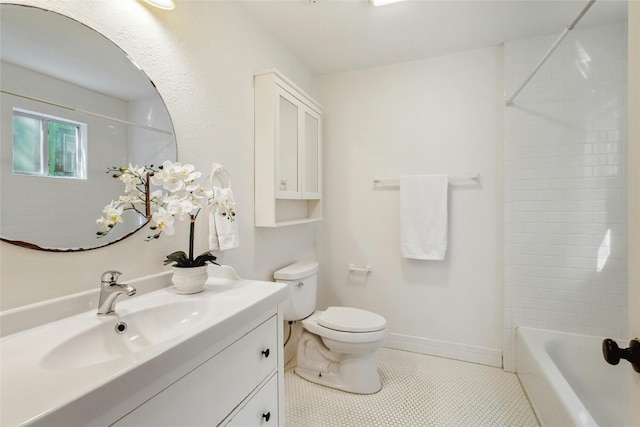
(110, 276)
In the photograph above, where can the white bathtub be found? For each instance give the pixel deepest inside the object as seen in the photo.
(568, 381)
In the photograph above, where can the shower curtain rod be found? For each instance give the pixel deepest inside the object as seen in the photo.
(91, 113)
(553, 47)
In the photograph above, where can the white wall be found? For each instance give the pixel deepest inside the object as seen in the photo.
(201, 57)
(565, 187)
(436, 115)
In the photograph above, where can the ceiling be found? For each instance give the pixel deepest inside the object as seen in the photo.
(331, 36)
(328, 36)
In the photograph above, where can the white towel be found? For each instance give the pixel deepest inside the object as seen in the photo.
(423, 216)
(223, 228)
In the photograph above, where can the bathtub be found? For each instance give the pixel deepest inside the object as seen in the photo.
(568, 382)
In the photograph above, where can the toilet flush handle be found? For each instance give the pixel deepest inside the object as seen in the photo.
(299, 285)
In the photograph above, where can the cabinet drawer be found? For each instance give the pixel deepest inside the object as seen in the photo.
(261, 410)
(210, 392)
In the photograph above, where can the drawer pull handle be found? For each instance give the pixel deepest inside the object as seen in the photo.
(266, 354)
(266, 416)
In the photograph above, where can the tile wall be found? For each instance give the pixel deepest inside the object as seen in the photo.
(565, 186)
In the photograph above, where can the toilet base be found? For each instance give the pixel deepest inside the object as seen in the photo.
(355, 373)
(333, 380)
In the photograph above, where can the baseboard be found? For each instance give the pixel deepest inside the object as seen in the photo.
(450, 350)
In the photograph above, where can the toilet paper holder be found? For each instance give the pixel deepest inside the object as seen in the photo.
(354, 269)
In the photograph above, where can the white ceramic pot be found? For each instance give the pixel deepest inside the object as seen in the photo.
(189, 280)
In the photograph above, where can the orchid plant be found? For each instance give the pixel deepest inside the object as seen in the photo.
(181, 196)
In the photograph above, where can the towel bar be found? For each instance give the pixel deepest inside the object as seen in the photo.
(468, 179)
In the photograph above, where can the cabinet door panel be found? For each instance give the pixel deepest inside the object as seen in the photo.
(261, 410)
(206, 395)
(311, 181)
(287, 150)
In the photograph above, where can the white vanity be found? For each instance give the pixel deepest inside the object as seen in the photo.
(213, 358)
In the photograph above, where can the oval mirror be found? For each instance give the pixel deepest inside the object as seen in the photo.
(72, 105)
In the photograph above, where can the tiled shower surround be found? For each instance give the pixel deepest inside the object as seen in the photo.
(565, 186)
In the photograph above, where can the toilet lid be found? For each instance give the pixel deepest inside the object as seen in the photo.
(349, 319)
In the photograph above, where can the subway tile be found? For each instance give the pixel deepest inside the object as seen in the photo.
(556, 235)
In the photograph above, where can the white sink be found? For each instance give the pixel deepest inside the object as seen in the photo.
(123, 335)
(58, 367)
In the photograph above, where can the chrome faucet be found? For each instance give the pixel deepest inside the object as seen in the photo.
(110, 290)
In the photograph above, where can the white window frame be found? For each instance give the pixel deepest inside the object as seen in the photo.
(80, 149)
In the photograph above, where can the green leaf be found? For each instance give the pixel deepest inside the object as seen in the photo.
(203, 258)
(180, 259)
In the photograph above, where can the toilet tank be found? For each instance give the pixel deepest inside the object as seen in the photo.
(301, 279)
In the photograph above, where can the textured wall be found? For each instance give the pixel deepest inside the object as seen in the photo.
(201, 57)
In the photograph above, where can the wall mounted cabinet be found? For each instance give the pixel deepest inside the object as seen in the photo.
(288, 153)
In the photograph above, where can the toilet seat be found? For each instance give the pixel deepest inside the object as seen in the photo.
(348, 319)
(311, 324)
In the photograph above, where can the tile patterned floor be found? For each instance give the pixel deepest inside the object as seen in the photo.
(417, 390)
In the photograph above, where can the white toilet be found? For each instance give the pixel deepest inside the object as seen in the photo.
(337, 346)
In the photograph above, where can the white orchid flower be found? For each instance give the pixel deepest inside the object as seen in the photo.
(159, 177)
(113, 213)
(135, 197)
(204, 192)
(182, 208)
(184, 171)
(191, 186)
(192, 177)
(202, 197)
(198, 200)
(131, 177)
(163, 221)
(173, 183)
(103, 224)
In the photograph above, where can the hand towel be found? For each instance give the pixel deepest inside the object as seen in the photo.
(223, 229)
(423, 216)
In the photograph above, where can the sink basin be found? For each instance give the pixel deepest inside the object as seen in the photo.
(125, 334)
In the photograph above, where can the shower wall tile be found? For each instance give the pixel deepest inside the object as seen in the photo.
(565, 186)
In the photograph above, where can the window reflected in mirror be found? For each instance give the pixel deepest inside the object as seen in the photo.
(48, 146)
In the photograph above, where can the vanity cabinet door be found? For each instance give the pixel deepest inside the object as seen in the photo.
(261, 410)
(209, 393)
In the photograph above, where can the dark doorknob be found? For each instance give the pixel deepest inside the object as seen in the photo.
(613, 353)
